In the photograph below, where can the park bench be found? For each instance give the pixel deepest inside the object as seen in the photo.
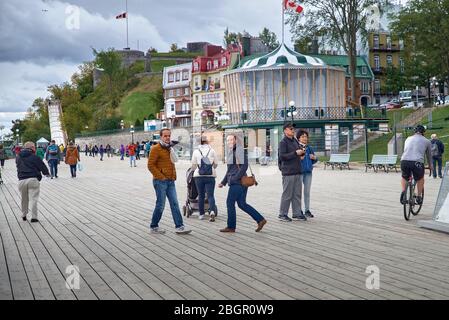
(382, 161)
(338, 160)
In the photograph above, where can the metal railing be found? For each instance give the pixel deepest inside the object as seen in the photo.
(305, 113)
(107, 132)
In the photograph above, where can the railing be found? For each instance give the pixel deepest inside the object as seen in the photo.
(306, 113)
(107, 132)
(385, 48)
(183, 113)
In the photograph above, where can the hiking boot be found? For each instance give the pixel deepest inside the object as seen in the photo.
(228, 230)
(157, 230)
(284, 219)
(309, 214)
(182, 230)
(403, 198)
(299, 217)
(260, 225)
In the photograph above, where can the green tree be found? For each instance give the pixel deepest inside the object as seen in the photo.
(174, 48)
(269, 38)
(231, 37)
(340, 22)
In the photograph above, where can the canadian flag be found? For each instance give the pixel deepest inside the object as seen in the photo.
(121, 16)
(292, 5)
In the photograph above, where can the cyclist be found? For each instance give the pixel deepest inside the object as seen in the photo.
(416, 148)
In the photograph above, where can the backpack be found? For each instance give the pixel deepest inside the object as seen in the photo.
(435, 150)
(53, 150)
(205, 168)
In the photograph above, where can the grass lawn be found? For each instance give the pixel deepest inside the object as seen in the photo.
(158, 66)
(138, 105)
(440, 126)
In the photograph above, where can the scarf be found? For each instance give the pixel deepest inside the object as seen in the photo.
(173, 156)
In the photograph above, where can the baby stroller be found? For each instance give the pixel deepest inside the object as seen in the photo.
(192, 197)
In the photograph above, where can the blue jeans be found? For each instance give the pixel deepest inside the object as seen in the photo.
(438, 161)
(166, 188)
(237, 193)
(73, 170)
(306, 180)
(122, 155)
(53, 164)
(205, 185)
(131, 159)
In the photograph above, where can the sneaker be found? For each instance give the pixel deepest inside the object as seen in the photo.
(212, 217)
(299, 217)
(403, 198)
(309, 214)
(157, 230)
(24, 218)
(34, 220)
(227, 230)
(418, 200)
(182, 230)
(201, 217)
(284, 219)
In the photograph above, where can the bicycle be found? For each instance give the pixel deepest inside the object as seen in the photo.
(410, 204)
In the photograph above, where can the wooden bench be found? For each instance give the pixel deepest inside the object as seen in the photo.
(338, 160)
(382, 161)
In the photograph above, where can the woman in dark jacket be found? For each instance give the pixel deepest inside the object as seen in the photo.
(237, 165)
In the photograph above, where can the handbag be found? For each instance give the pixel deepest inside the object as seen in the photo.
(248, 181)
(80, 166)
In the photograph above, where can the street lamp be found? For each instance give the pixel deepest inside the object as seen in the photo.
(17, 135)
(132, 134)
(292, 110)
(122, 124)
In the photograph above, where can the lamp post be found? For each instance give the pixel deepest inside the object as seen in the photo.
(292, 110)
(132, 134)
(17, 136)
(122, 124)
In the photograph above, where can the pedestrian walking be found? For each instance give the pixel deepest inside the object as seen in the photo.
(132, 154)
(52, 155)
(204, 163)
(437, 149)
(307, 162)
(137, 147)
(2, 156)
(237, 164)
(72, 158)
(290, 154)
(101, 150)
(161, 164)
(40, 153)
(29, 171)
(108, 150)
(122, 152)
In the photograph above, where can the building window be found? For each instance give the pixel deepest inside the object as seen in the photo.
(185, 75)
(364, 70)
(211, 100)
(223, 61)
(186, 91)
(377, 62)
(349, 84)
(178, 76)
(196, 66)
(172, 108)
(216, 64)
(178, 92)
(209, 65)
(388, 42)
(197, 83)
(171, 77)
(376, 86)
(197, 101)
(170, 93)
(364, 86)
(389, 60)
(376, 42)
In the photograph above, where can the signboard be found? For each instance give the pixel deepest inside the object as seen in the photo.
(153, 125)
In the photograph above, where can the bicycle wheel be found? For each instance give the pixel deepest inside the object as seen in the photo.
(417, 207)
(408, 198)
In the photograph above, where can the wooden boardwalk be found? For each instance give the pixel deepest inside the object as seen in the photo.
(99, 222)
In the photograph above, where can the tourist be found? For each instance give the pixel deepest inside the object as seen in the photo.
(40, 153)
(161, 164)
(29, 171)
(237, 162)
(122, 152)
(2, 156)
(307, 162)
(148, 148)
(52, 155)
(101, 150)
(72, 158)
(132, 154)
(137, 146)
(204, 162)
(437, 149)
(108, 150)
(290, 154)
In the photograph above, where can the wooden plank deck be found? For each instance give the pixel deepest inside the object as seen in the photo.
(99, 222)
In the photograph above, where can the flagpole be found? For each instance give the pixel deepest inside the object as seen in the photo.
(127, 44)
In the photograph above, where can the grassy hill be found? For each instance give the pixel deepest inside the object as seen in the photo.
(440, 126)
(143, 100)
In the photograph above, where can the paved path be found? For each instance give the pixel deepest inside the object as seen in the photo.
(99, 222)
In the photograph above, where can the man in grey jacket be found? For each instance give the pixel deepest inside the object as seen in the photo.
(290, 154)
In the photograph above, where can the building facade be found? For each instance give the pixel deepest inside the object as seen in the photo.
(177, 95)
(207, 85)
(364, 91)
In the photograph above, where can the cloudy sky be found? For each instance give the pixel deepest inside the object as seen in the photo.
(42, 42)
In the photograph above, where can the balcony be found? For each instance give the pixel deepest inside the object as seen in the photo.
(385, 48)
(379, 70)
(183, 113)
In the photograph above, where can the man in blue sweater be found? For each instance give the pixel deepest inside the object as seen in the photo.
(307, 162)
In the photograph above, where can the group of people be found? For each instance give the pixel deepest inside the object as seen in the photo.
(296, 160)
(132, 150)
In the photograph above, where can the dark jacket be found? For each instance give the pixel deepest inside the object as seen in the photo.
(30, 166)
(235, 170)
(440, 146)
(307, 163)
(289, 161)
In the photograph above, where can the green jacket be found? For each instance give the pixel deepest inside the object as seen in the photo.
(40, 153)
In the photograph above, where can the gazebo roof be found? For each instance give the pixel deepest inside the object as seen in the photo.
(282, 56)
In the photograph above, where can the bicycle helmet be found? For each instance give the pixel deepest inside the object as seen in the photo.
(420, 129)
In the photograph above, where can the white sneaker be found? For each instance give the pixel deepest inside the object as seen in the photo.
(212, 216)
(157, 230)
(182, 230)
(201, 217)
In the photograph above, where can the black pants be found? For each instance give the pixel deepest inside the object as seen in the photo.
(73, 170)
(2, 162)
